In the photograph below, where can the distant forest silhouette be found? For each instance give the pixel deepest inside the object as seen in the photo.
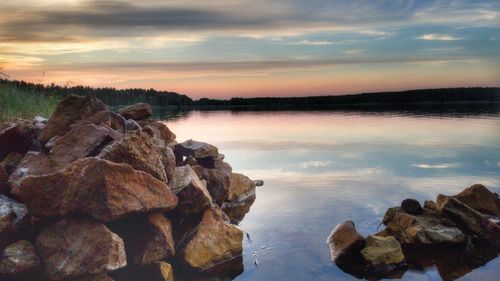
(116, 97)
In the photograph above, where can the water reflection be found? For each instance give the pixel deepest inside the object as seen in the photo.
(321, 168)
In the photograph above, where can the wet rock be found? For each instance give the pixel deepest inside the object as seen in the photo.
(470, 219)
(382, 252)
(71, 109)
(148, 238)
(19, 259)
(240, 187)
(345, 243)
(217, 181)
(427, 228)
(73, 248)
(196, 149)
(193, 195)
(430, 205)
(14, 220)
(411, 206)
(480, 199)
(215, 242)
(100, 188)
(19, 137)
(140, 151)
(236, 211)
(136, 111)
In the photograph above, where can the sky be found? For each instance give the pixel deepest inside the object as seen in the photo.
(236, 48)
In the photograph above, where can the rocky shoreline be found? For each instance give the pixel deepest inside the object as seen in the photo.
(455, 233)
(96, 195)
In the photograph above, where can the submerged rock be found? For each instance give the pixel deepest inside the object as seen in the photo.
(19, 260)
(480, 199)
(73, 248)
(382, 252)
(136, 111)
(345, 243)
(100, 188)
(411, 206)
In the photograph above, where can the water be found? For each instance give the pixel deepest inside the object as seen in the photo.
(321, 168)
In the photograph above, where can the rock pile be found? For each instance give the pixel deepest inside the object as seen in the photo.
(95, 195)
(465, 227)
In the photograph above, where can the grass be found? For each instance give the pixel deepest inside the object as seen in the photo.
(15, 103)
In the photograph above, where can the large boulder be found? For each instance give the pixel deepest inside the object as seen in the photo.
(100, 188)
(19, 260)
(427, 228)
(218, 181)
(215, 242)
(411, 206)
(73, 248)
(469, 219)
(160, 129)
(345, 243)
(382, 252)
(106, 118)
(71, 109)
(14, 220)
(479, 198)
(193, 195)
(196, 149)
(18, 137)
(240, 187)
(136, 111)
(140, 151)
(34, 164)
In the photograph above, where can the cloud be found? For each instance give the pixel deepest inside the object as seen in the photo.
(315, 164)
(314, 43)
(435, 166)
(439, 37)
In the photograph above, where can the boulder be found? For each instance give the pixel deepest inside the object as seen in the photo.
(148, 238)
(73, 248)
(34, 164)
(14, 220)
(411, 206)
(382, 252)
(218, 181)
(18, 137)
(345, 243)
(11, 162)
(213, 163)
(19, 259)
(140, 151)
(168, 160)
(237, 210)
(136, 111)
(240, 187)
(469, 219)
(161, 130)
(106, 118)
(215, 242)
(427, 228)
(71, 109)
(196, 149)
(193, 195)
(479, 198)
(100, 188)
(430, 205)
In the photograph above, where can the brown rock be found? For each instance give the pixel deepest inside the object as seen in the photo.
(431, 205)
(345, 243)
(218, 181)
(4, 176)
(240, 187)
(237, 210)
(33, 164)
(196, 149)
(140, 151)
(131, 125)
(19, 259)
(11, 162)
(71, 109)
(103, 189)
(160, 130)
(106, 118)
(215, 242)
(193, 195)
(18, 137)
(14, 220)
(136, 111)
(73, 248)
(168, 160)
(382, 251)
(480, 199)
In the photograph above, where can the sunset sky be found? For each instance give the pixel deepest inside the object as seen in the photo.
(227, 48)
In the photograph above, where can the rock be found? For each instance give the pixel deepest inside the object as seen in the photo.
(71, 109)
(73, 248)
(196, 149)
(470, 219)
(19, 137)
(480, 199)
(11, 162)
(236, 211)
(240, 187)
(136, 111)
(34, 164)
(382, 251)
(14, 220)
(94, 277)
(193, 195)
(50, 144)
(411, 206)
(148, 238)
(168, 160)
(131, 125)
(19, 259)
(100, 188)
(345, 243)
(212, 163)
(106, 118)
(217, 181)
(259, 182)
(4, 176)
(215, 242)
(430, 205)
(428, 228)
(158, 271)
(139, 150)
(161, 130)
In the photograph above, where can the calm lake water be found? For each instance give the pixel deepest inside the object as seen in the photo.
(321, 168)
